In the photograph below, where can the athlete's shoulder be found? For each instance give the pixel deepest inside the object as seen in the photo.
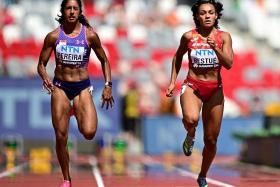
(53, 35)
(90, 32)
(224, 35)
(189, 34)
(92, 37)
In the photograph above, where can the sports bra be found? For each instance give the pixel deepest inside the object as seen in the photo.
(72, 51)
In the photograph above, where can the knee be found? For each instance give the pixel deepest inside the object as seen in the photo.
(190, 120)
(61, 137)
(210, 143)
(89, 133)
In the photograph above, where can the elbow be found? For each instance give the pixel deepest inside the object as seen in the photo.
(38, 69)
(228, 66)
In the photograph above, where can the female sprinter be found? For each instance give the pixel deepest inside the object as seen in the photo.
(72, 42)
(209, 49)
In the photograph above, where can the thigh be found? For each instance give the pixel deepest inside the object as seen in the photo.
(212, 114)
(190, 103)
(85, 110)
(60, 106)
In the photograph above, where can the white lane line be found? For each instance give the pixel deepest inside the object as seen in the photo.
(149, 160)
(14, 170)
(194, 176)
(96, 172)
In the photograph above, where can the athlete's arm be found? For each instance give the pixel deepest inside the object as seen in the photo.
(44, 58)
(177, 62)
(95, 43)
(225, 55)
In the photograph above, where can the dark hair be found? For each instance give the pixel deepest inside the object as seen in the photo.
(218, 8)
(82, 19)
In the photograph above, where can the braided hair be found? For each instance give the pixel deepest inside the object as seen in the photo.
(218, 8)
(82, 19)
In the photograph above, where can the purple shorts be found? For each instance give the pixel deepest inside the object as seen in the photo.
(72, 89)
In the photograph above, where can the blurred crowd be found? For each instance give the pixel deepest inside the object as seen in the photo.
(141, 37)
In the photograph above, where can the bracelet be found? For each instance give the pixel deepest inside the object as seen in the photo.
(109, 84)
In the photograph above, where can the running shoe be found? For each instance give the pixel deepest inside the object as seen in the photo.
(188, 146)
(65, 184)
(202, 182)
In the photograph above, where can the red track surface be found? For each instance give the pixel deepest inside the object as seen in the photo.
(242, 176)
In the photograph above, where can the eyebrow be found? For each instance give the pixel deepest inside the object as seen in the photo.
(71, 6)
(207, 10)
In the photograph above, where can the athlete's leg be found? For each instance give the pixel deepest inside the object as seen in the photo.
(191, 106)
(86, 114)
(212, 113)
(60, 106)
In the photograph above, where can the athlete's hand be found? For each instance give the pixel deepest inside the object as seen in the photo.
(48, 85)
(211, 42)
(107, 98)
(169, 91)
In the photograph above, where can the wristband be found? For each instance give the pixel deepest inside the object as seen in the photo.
(109, 84)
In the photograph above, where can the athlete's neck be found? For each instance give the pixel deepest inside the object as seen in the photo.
(205, 32)
(71, 28)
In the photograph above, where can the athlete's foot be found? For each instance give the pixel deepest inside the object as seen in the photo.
(188, 145)
(65, 184)
(202, 182)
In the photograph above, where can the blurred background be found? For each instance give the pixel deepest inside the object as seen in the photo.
(140, 38)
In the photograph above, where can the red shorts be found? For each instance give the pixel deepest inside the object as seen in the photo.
(204, 89)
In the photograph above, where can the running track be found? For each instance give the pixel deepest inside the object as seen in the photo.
(225, 172)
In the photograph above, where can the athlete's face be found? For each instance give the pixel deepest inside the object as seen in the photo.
(206, 15)
(72, 11)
